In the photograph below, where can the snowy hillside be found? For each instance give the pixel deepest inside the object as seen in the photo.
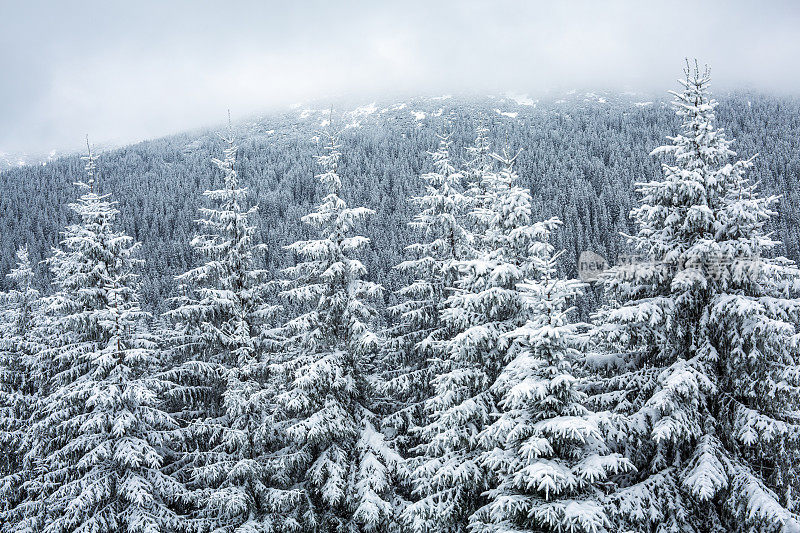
(367, 320)
(580, 155)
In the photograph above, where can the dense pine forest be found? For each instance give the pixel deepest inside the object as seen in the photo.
(582, 154)
(368, 320)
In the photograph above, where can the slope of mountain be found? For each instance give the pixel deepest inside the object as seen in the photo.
(582, 154)
(9, 160)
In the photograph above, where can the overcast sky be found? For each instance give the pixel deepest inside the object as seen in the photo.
(129, 70)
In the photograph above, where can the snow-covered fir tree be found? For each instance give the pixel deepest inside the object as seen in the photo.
(433, 271)
(102, 435)
(704, 328)
(20, 315)
(479, 164)
(222, 345)
(483, 407)
(343, 470)
(546, 451)
(486, 305)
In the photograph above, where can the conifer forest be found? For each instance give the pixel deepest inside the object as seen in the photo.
(375, 319)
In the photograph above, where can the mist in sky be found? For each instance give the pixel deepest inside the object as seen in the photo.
(126, 71)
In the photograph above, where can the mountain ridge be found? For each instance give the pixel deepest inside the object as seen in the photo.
(581, 156)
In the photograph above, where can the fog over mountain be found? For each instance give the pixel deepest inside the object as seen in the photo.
(129, 71)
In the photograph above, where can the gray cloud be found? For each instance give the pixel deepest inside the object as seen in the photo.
(124, 71)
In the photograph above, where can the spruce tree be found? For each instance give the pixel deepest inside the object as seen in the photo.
(478, 166)
(20, 379)
(486, 305)
(705, 325)
(102, 436)
(222, 344)
(417, 338)
(546, 451)
(343, 470)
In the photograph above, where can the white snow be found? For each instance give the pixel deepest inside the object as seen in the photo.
(509, 114)
(523, 99)
(364, 110)
(594, 96)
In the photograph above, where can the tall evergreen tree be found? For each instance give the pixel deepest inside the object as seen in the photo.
(222, 343)
(706, 326)
(478, 166)
(103, 434)
(546, 451)
(20, 315)
(418, 336)
(486, 306)
(345, 473)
